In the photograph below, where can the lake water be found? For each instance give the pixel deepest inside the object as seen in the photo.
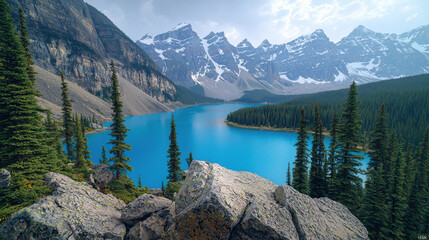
(202, 131)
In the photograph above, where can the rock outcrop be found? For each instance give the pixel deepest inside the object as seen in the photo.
(101, 176)
(213, 203)
(148, 217)
(75, 210)
(4, 178)
(217, 203)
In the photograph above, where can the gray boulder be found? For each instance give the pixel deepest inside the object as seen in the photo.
(101, 177)
(148, 217)
(4, 178)
(75, 210)
(217, 203)
(319, 218)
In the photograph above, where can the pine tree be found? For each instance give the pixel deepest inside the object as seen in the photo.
(86, 152)
(300, 171)
(119, 131)
(417, 203)
(140, 182)
(25, 43)
(67, 118)
(397, 199)
(81, 164)
(54, 137)
(349, 162)
(332, 161)
(174, 170)
(317, 180)
(103, 159)
(374, 211)
(288, 180)
(189, 159)
(24, 148)
(379, 138)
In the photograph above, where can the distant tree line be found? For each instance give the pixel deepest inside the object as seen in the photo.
(406, 100)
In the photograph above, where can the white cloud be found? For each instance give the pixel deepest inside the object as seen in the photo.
(291, 17)
(412, 17)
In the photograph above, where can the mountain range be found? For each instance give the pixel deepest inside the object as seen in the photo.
(310, 63)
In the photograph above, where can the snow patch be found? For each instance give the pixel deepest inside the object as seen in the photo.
(161, 53)
(218, 68)
(180, 25)
(341, 77)
(147, 39)
(424, 48)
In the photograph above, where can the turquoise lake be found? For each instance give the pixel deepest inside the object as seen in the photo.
(202, 131)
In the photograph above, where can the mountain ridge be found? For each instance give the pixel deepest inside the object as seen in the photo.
(309, 63)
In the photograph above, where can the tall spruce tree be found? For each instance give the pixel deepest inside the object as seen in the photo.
(379, 140)
(25, 43)
(86, 152)
(119, 131)
(103, 159)
(317, 180)
(288, 176)
(397, 198)
(53, 134)
(24, 148)
(67, 118)
(409, 170)
(417, 202)
(140, 182)
(300, 170)
(174, 170)
(81, 163)
(348, 166)
(332, 161)
(374, 211)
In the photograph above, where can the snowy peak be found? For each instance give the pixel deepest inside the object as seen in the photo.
(182, 26)
(319, 34)
(147, 39)
(245, 44)
(224, 70)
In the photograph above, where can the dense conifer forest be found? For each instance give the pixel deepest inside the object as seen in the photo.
(406, 100)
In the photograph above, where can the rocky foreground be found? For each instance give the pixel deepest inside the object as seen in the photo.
(213, 203)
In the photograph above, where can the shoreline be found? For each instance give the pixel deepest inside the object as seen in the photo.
(264, 128)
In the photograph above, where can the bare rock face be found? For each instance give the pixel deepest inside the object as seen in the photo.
(217, 203)
(4, 178)
(148, 217)
(74, 211)
(74, 37)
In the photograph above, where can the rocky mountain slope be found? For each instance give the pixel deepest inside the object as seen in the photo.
(213, 203)
(74, 37)
(307, 64)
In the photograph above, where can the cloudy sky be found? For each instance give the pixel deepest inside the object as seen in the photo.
(279, 21)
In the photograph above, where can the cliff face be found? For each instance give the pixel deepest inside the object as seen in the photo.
(74, 37)
(213, 203)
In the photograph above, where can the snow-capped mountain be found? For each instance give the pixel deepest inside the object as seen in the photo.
(309, 63)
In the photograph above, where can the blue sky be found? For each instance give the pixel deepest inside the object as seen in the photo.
(279, 21)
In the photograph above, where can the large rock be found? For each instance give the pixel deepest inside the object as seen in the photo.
(74, 211)
(4, 178)
(217, 203)
(101, 176)
(319, 218)
(148, 217)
